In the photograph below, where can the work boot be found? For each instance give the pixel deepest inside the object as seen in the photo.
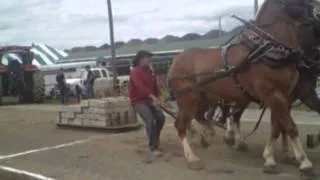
(156, 153)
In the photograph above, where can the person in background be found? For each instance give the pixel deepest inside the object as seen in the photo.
(144, 95)
(62, 86)
(78, 93)
(89, 83)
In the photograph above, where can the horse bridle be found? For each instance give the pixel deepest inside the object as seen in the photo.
(311, 8)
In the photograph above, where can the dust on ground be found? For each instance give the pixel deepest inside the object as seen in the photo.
(123, 156)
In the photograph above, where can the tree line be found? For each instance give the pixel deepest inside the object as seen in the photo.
(212, 34)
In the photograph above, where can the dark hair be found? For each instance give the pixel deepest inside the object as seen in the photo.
(140, 54)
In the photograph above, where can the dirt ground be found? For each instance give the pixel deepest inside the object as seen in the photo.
(31, 142)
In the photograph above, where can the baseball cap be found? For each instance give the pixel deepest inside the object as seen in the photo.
(141, 54)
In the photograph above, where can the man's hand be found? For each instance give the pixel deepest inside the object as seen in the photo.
(157, 101)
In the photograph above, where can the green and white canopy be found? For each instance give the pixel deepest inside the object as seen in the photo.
(44, 55)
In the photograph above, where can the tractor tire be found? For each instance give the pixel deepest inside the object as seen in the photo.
(38, 87)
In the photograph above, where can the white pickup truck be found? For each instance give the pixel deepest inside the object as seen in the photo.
(103, 83)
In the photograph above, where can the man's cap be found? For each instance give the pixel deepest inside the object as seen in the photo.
(142, 53)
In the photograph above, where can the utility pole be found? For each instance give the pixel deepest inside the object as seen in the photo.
(220, 26)
(112, 46)
(255, 6)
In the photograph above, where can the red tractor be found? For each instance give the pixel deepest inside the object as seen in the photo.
(18, 76)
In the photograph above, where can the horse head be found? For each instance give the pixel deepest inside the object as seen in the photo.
(304, 15)
(296, 22)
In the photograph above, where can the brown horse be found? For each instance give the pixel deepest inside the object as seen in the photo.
(305, 91)
(260, 81)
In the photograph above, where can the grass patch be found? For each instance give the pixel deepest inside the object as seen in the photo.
(129, 49)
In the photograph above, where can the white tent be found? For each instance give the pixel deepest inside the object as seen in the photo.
(44, 55)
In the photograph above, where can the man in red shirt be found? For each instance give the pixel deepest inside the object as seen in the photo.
(144, 95)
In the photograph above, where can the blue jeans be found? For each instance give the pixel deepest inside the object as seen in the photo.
(154, 120)
(63, 94)
(90, 90)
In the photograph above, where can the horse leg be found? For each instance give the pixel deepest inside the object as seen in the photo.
(306, 166)
(301, 158)
(240, 143)
(285, 146)
(205, 129)
(202, 126)
(270, 165)
(211, 112)
(288, 158)
(280, 115)
(229, 137)
(181, 124)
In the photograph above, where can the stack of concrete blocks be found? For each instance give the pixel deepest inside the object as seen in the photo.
(113, 113)
(103, 88)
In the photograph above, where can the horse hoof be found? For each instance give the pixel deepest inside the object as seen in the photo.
(291, 160)
(271, 169)
(307, 174)
(195, 165)
(242, 147)
(204, 142)
(229, 141)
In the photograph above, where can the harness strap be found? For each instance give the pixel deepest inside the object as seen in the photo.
(242, 89)
(257, 124)
(224, 54)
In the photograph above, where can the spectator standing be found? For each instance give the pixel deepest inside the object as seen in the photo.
(62, 86)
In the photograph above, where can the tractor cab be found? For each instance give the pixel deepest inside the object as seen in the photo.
(18, 76)
(12, 56)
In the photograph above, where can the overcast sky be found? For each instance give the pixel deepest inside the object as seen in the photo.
(68, 23)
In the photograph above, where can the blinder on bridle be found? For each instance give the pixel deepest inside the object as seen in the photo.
(316, 22)
(314, 7)
(316, 12)
(302, 9)
(306, 11)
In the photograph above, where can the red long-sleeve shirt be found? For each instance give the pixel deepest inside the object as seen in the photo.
(142, 82)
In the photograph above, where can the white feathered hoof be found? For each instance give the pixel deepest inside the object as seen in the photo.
(271, 169)
(196, 165)
(307, 174)
(230, 141)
